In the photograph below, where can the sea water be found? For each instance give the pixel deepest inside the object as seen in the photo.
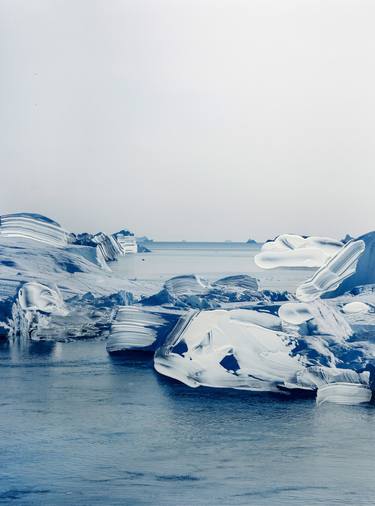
(78, 427)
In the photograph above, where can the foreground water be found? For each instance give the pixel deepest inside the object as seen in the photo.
(78, 427)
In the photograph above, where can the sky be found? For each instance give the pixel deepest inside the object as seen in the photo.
(190, 119)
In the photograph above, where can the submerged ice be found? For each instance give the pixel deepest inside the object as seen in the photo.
(226, 332)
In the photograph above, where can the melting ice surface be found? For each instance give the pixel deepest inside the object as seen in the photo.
(218, 331)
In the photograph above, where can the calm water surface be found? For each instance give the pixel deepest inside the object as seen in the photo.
(78, 427)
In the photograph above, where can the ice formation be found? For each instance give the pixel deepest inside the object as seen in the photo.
(344, 393)
(295, 251)
(364, 273)
(44, 267)
(219, 333)
(332, 273)
(228, 349)
(37, 297)
(138, 328)
(33, 226)
(356, 307)
(309, 345)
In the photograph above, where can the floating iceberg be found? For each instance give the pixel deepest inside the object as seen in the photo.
(248, 350)
(126, 241)
(138, 328)
(296, 251)
(219, 333)
(228, 349)
(344, 393)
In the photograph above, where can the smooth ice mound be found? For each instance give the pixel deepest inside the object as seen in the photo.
(33, 226)
(332, 273)
(296, 251)
(137, 328)
(356, 307)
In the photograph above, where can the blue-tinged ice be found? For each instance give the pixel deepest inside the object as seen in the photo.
(140, 328)
(364, 273)
(332, 273)
(37, 297)
(228, 349)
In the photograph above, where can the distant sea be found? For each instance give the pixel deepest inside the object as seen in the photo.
(78, 427)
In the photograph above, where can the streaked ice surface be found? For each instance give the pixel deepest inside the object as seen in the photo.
(79, 427)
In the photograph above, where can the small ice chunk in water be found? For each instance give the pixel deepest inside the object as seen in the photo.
(343, 393)
(356, 307)
(295, 251)
(332, 273)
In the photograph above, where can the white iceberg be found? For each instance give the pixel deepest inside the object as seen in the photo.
(296, 251)
(228, 349)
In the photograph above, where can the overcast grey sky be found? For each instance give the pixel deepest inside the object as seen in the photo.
(198, 119)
